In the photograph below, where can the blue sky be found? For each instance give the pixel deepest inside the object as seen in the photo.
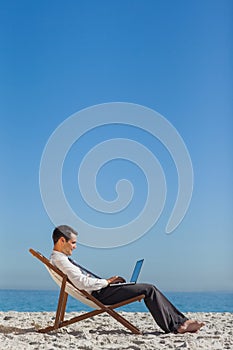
(174, 57)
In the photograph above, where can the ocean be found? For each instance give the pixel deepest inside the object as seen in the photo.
(46, 300)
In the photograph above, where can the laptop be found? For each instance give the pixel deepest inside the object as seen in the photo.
(134, 277)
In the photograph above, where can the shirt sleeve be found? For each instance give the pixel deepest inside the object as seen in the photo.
(76, 276)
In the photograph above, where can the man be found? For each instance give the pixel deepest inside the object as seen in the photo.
(164, 313)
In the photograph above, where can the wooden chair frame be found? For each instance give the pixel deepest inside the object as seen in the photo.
(67, 287)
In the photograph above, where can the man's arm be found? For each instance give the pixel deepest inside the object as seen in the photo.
(75, 274)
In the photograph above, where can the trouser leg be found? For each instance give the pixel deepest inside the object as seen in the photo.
(163, 311)
(166, 315)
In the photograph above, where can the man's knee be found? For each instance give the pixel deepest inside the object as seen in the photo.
(148, 289)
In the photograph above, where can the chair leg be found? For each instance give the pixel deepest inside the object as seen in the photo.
(114, 314)
(71, 321)
(123, 321)
(61, 306)
(63, 309)
(111, 312)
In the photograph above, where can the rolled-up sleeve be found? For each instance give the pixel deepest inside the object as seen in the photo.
(75, 274)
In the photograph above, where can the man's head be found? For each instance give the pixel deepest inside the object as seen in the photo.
(64, 239)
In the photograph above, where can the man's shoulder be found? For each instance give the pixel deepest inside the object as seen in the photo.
(55, 255)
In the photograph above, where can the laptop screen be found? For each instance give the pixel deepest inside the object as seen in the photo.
(136, 270)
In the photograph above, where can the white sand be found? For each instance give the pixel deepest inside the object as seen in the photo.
(18, 331)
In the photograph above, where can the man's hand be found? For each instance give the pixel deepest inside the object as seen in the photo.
(115, 279)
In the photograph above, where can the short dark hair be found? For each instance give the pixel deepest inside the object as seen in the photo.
(63, 231)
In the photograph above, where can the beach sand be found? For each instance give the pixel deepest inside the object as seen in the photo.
(18, 330)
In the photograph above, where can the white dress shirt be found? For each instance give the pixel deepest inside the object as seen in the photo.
(75, 274)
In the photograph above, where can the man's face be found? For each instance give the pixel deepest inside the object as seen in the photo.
(69, 246)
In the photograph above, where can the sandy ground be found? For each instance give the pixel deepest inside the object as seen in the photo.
(18, 330)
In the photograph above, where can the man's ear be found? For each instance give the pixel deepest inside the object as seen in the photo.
(62, 240)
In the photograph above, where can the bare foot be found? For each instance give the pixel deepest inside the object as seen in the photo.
(190, 326)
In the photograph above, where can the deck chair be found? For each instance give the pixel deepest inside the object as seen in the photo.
(68, 288)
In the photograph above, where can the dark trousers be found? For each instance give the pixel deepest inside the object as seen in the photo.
(164, 313)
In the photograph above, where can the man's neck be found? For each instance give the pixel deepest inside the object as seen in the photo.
(57, 249)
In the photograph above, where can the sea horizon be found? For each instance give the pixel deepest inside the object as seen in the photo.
(40, 300)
